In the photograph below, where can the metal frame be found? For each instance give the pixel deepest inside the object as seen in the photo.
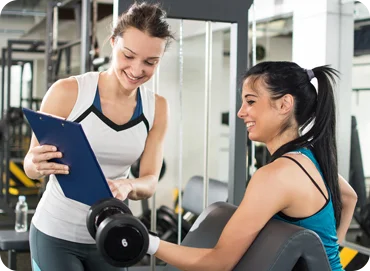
(7, 61)
(82, 11)
(237, 14)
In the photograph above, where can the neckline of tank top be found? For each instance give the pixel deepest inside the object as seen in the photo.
(110, 123)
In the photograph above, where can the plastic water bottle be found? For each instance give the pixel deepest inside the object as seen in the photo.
(21, 211)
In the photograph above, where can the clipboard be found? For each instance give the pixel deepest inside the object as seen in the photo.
(85, 182)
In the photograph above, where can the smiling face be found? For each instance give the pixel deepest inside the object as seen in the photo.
(135, 57)
(260, 113)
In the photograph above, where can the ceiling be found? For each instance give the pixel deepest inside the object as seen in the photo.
(27, 18)
(24, 4)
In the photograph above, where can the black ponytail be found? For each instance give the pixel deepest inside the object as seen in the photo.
(324, 134)
(311, 108)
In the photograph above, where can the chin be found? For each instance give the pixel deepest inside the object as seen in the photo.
(127, 85)
(253, 137)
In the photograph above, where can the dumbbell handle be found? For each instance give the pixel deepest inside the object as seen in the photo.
(153, 244)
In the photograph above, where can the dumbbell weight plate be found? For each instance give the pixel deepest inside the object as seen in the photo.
(96, 212)
(168, 227)
(123, 240)
(185, 226)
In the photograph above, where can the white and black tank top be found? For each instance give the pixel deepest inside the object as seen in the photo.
(116, 147)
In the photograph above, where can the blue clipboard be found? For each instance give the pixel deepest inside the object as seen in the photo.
(85, 182)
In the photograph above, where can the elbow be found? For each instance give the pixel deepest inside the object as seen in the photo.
(353, 197)
(222, 264)
(210, 264)
(229, 266)
(224, 267)
(350, 199)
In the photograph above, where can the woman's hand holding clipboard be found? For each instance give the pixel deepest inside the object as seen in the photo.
(84, 181)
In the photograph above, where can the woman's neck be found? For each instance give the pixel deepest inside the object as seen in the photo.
(108, 80)
(275, 143)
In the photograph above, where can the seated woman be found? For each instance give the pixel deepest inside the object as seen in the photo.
(300, 186)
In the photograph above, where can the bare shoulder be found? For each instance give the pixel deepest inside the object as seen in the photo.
(161, 107)
(160, 101)
(280, 166)
(269, 183)
(276, 175)
(61, 97)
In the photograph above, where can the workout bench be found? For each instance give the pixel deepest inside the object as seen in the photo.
(14, 242)
(278, 247)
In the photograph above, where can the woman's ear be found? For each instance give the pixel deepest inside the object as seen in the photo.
(112, 40)
(286, 104)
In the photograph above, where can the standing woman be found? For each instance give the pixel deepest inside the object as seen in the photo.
(122, 121)
(300, 186)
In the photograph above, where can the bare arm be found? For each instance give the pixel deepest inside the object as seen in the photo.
(58, 101)
(349, 199)
(151, 160)
(264, 191)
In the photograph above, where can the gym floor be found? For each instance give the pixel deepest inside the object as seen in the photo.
(23, 260)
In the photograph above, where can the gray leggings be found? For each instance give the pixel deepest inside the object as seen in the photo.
(53, 254)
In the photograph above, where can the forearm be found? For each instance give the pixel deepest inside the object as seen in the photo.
(346, 218)
(143, 187)
(192, 259)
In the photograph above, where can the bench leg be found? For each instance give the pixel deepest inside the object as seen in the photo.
(12, 259)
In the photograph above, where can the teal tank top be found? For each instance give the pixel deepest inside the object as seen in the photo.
(323, 222)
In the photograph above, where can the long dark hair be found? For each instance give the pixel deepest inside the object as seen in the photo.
(311, 108)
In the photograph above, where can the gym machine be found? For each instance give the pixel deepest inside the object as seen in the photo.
(19, 47)
(12, 117)
(86, 14)
(357, 181)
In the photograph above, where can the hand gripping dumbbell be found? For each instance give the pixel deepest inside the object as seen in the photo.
(121, 238)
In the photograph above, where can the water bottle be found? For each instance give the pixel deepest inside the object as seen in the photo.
(21, 211)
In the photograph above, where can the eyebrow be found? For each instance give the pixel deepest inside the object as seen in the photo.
(130, 50)
(247, 95)
(152, 57)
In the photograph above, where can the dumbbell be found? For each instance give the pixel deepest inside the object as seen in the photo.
(167, 224)
(121, 238)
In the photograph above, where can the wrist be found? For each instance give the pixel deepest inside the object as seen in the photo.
(153, 244)
(132, 189)
(32, 172)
